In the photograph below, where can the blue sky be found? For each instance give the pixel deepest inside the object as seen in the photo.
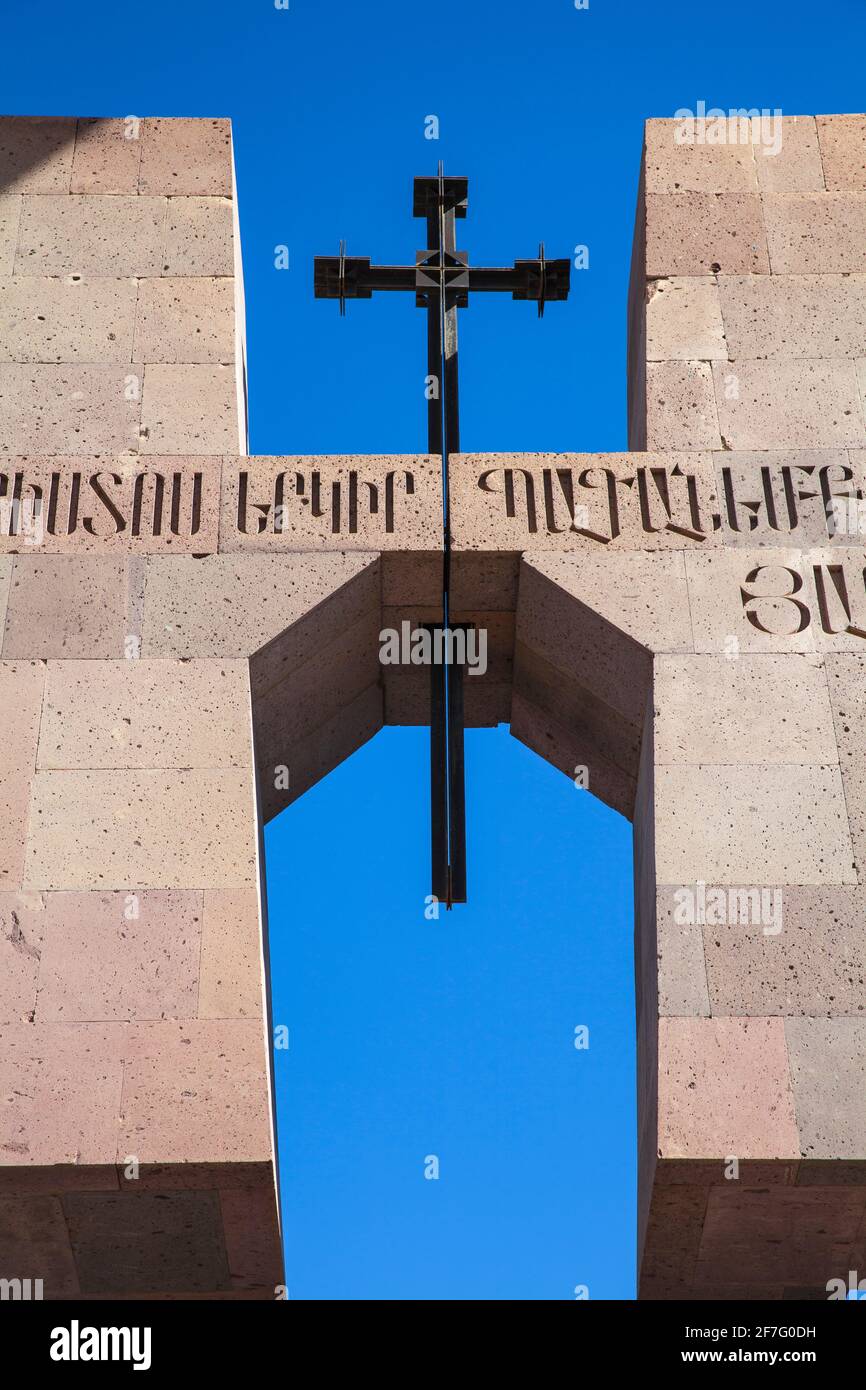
(412, 1038)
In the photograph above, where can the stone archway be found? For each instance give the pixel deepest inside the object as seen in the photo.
(686, 621)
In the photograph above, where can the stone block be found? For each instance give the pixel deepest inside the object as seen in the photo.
(185, 319)
(791, 496)
(815, 233)
(749, 601)
(115, 957)
(147, 1242)
(79, 235)
(10, 216)
(230, 982)
(803, 404)
(22, 920)
(252, 1237)
(681, 406)
(741, 824)
(321, 750)
(51, 319)
(798, 1235)
(846, 677)
(189, 409)
(789, 317)
(567, 749)
(199, 237)
(62, 1082)
(145, 714)
(601, 730)
(843, 152)
(107, 157)
(796, 167)
(70, 409)
(36, 153)
(684, 320)
(60, 606)
(642, 596)
(309, 503)
(98, 830)
(682, 975)
(676, 164)
(34, 1244)
(814, 965)
(725, 1088)
(186, 156)
(316, 691)
(762, 708)
(236, 605)
(576, 502)
(196, 1091)
(6, 563)
(705, 234)
(113, 506)
(21, 687)
(828, 1067)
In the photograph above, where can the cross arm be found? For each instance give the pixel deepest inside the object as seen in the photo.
(353, 277)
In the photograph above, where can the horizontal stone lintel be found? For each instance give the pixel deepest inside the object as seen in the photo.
(502, 503)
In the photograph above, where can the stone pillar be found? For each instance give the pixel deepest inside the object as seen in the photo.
(754, 348)
(136, 1152)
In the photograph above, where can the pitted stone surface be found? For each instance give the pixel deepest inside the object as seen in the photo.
(705, 234)
(185, 319)
(76, 408)
(793, 316)
(79, 235)
(63, 1083)
(22, 923)
(198, 237)
(815, 233)
(96, 829)
(828, 1067)
(675, 163)
(64, 607)
(190, 408)
(758, 708)
(181, 156)
(811, 961)
(767, 405)
(796, 166)
(10, 216)
(195, 1088)
(107, 157)
(61, 319)
(682, 974)
(113, 957)
(36, 153)
(21, 690)
(753, 824)
(709, 1102)
(145, 714)
(235, 605)
(230, 982)
(843, 151)
(152, 1243)
(684, 319)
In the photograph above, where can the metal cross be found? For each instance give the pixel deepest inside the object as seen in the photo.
(442, 280)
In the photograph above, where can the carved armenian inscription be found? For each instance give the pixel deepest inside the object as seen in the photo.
(703, 500)
(800, 520)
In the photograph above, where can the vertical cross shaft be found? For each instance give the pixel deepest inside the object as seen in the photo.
(442, 280)
(447, 790)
